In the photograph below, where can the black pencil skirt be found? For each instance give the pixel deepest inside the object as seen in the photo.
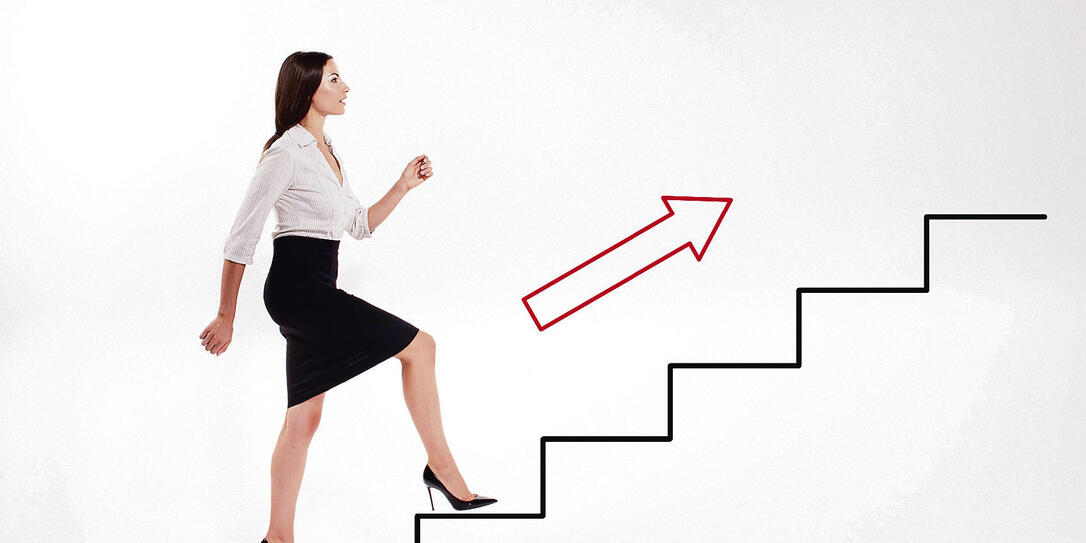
(331, 335)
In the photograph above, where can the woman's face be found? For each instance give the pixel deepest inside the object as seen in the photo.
(327, 98)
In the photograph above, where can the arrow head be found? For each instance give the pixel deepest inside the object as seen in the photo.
(699, 216)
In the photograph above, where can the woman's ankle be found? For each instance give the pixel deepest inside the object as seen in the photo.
(278, 539)
(441, 465)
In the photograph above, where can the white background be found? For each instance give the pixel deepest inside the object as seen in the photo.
(130, 132)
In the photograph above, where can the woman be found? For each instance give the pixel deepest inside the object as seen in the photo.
(331, 335)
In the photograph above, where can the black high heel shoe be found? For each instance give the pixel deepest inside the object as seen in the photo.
(431, 481)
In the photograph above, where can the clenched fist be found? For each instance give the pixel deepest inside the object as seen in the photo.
(417, 171)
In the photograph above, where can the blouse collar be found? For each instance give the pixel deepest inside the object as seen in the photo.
(303, 138)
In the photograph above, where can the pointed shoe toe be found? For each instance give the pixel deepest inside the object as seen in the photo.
(431, 481)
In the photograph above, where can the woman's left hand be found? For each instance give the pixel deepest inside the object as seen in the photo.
(417, 171)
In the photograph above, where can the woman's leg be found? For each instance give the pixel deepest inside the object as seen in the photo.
(420, 394)
(288, 464)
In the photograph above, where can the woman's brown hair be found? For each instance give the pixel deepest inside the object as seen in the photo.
(299, 77)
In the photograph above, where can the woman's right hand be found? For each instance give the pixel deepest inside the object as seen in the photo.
(216, 337)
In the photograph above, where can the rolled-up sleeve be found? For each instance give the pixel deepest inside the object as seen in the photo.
(359, 225)
(273, 176)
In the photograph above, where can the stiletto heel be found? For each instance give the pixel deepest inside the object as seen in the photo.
(431, 481)
(431, 493)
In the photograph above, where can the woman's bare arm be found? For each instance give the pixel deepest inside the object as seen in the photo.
(380, 211)
(416, 171)
(231, 283)
(217, 335)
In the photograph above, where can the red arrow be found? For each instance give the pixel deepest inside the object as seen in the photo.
(583, 280)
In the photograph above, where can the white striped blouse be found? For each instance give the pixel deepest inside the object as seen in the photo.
(295, 178)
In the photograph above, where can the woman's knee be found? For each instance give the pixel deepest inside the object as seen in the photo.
(306, 416)
(420, 348)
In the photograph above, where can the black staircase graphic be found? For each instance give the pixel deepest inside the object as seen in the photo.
(800, 291)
